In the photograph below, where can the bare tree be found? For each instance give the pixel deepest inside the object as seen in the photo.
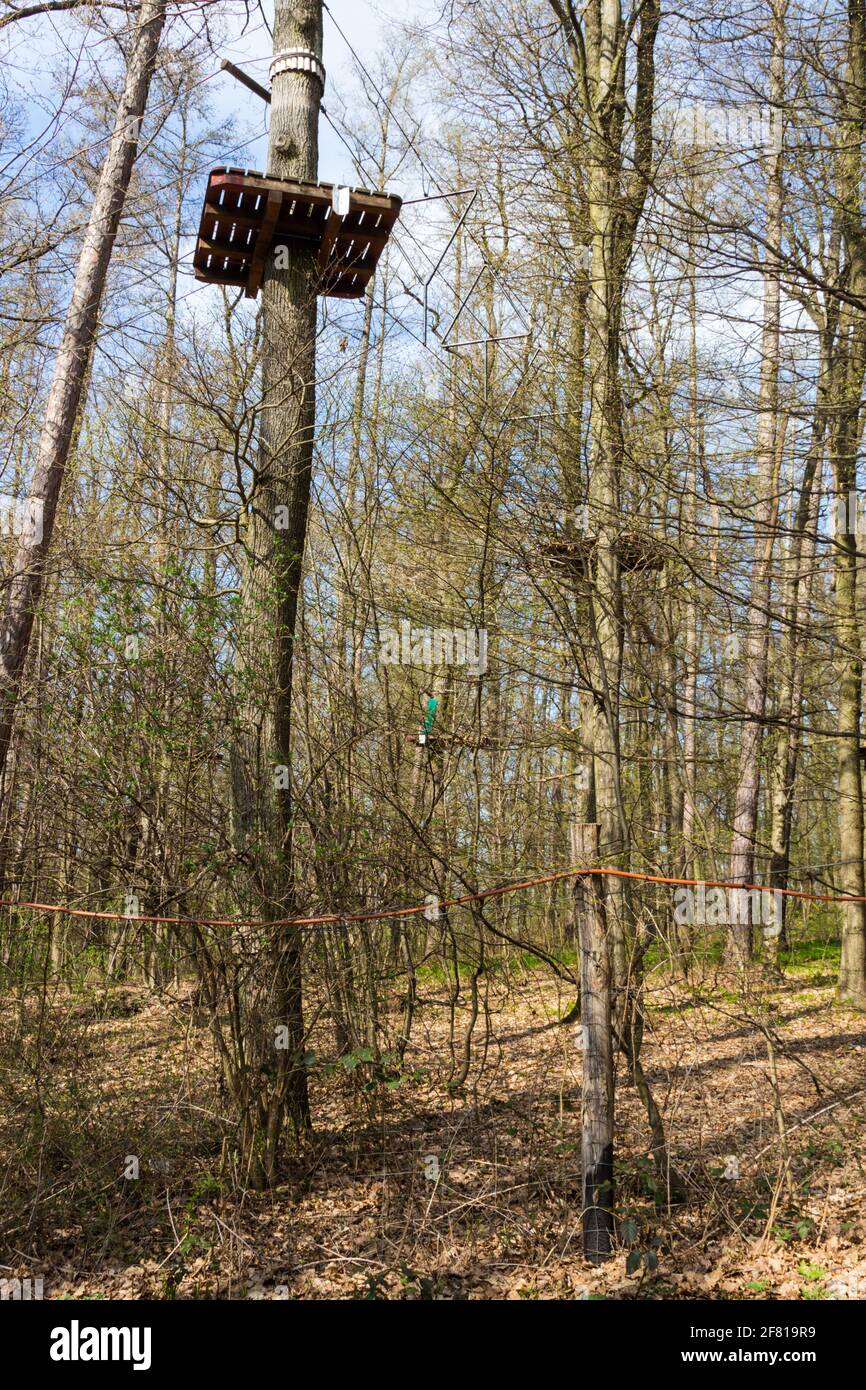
(72, 364)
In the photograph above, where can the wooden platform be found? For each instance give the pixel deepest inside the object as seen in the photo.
(245, 215)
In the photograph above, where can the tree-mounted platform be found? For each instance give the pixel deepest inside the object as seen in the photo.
(635, 553)
(246, 215)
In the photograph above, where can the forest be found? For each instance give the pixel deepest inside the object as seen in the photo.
(432, 540)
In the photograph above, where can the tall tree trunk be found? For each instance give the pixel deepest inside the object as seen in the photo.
(597, 1118)
(275, 550)
(745, 824)
(72, 365)
(851, 369)
(798, 584)
(692, 651)
(615, 201)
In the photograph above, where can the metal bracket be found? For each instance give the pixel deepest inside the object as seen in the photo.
(539, 416)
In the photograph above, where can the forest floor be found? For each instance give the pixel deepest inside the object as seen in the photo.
(411, 1191)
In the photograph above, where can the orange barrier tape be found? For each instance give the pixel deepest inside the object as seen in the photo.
(387, 913)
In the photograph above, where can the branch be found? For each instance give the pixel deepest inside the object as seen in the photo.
(574, 35)
(52, 6)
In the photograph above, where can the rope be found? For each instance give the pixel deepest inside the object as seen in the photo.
(389, 913)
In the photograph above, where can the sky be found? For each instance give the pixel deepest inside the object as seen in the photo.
(40, 53)
(365, 25)
(36, 52)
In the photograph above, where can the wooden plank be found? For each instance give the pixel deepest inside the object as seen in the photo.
(264, 241)
(238, 249)
(319, 194)
(287, 228)
(357, 261)
(287, 225)
(349, 286)
(219, 254)
(234, 185)
(363, 221)
(213, 277)
(333, 226)
(377, 241)
(245, 220)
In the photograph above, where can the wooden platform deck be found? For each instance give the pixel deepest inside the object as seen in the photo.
(246, 215)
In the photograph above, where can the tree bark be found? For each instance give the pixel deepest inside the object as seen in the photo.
(597, 1040)
(850, 372)
(276, 536)
(745, 824)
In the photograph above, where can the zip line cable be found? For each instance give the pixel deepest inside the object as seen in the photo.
(411, 142)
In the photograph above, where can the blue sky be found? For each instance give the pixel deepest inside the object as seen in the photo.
(365, 24)
(38, 52)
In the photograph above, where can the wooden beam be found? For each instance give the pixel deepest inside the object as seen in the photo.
(264, 242)
(319, 194)
(249, 82)
(333, 227)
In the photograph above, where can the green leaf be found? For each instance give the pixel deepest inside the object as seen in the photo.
(813, 1293)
